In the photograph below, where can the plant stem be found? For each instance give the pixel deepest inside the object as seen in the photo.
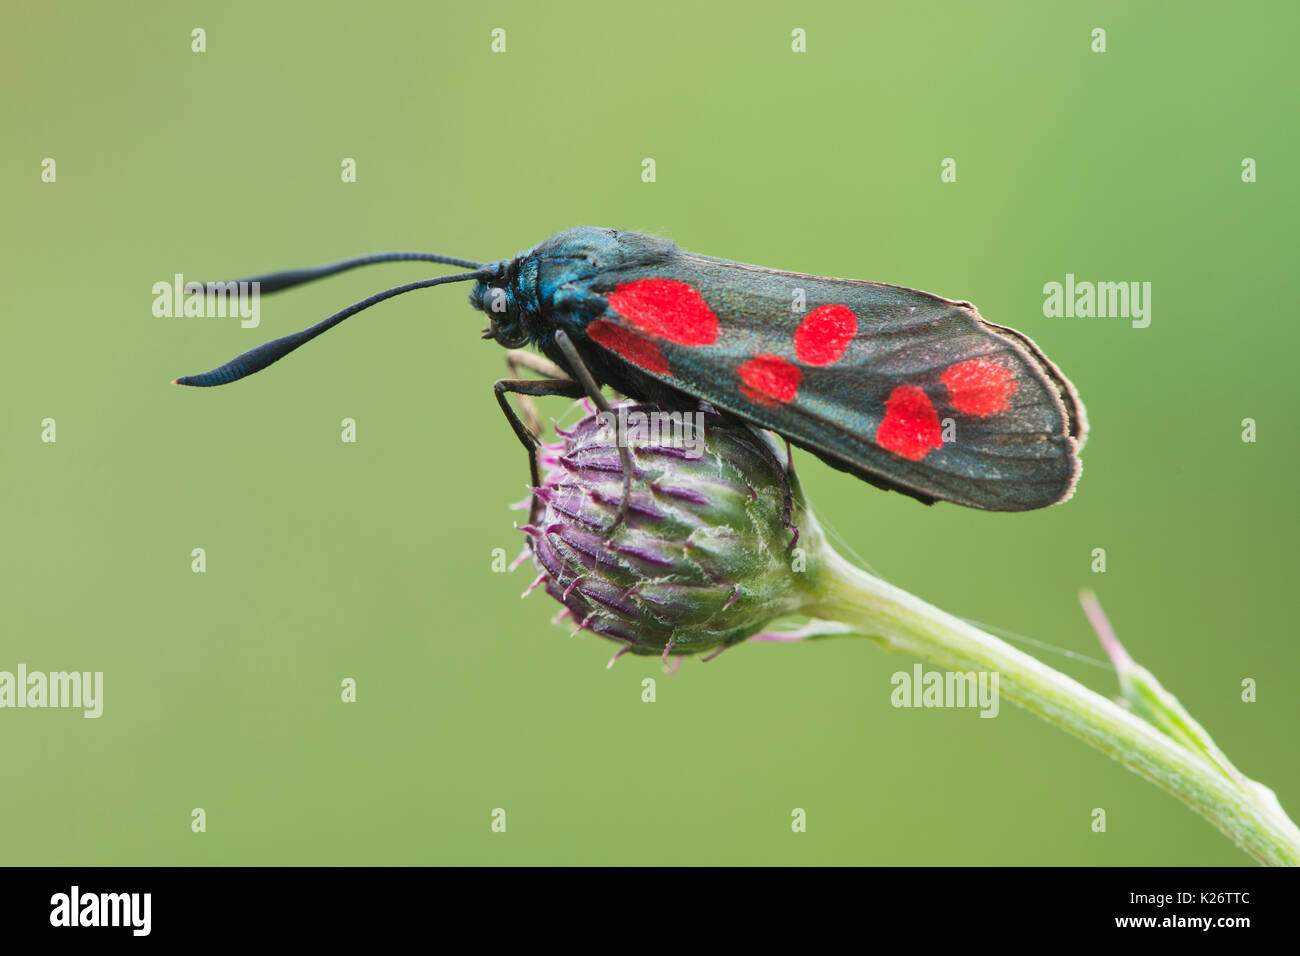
(904, 623)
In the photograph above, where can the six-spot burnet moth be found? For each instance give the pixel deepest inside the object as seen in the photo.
(904, 389)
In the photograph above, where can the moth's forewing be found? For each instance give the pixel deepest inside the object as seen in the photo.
(905, 389)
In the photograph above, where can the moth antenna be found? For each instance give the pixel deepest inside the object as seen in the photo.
(287, 279)
(254, 360)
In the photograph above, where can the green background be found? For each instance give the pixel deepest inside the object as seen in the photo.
(373, 560)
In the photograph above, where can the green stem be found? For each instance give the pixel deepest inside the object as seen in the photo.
(904, 623)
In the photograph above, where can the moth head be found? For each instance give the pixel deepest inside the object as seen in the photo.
(500, 294)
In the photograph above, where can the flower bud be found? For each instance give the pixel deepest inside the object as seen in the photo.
(703, 558)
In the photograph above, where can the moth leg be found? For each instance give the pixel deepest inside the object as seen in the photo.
(531, 387)
(583, 375)
(517, 361)
(523, 359)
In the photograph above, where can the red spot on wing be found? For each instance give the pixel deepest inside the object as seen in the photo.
(666, 309)
(911, 425)
(637, 349)
(824, 335)
(979, 386)
(769, 380)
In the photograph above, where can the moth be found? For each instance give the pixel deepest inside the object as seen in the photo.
(904, 389)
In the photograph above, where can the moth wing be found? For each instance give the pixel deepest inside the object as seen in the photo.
(905, 389)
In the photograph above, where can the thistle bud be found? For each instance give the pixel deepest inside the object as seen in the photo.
(703, 558)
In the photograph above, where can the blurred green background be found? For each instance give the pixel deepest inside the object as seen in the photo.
(372, 560)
